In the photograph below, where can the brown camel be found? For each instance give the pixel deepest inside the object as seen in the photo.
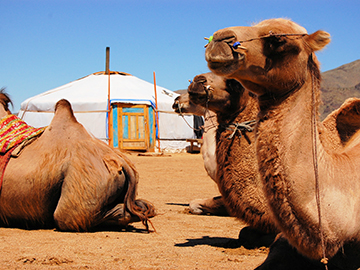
(183, 106)
(275, 59)
(69, 180)
(237, 172)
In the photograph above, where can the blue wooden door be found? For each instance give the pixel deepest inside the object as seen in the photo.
(133, 127)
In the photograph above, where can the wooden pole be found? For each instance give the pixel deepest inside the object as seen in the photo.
(107, 64)
(157, 114)
(107, 71)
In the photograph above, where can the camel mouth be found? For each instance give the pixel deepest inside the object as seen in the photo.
(176, 105)
(221, 54)
(177, 109)
(224, 68)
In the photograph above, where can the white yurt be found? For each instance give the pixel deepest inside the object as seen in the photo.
(132, 122)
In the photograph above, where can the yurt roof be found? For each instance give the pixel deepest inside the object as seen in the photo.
(91, 93)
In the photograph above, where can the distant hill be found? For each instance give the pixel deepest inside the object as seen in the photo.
(345, 76)
(181, 91)
(339, 84)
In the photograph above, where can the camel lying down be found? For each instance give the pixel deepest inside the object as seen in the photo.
(310, 180)
(70, 180)
(213, 206)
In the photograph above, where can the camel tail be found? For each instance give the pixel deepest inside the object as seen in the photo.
(143, 209)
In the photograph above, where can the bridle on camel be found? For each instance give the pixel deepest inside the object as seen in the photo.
(208, 91)
(213, 125)
(324, 260)
(236, 46)
(241, 128)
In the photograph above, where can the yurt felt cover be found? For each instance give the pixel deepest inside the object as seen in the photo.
(89, 99)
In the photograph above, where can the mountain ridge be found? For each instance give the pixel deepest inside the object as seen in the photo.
(339, 84)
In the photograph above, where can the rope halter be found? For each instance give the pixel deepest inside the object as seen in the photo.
(241, 129)
(238, 44)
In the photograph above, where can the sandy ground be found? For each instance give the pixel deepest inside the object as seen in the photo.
(181, 240)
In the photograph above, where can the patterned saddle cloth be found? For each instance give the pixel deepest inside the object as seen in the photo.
(13, 132)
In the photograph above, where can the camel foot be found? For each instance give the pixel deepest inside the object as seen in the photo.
(213, 206)
(251, 238)
(138, 211)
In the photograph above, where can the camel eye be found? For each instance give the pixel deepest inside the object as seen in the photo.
(274, 45)
(276, 42)
(229, 40)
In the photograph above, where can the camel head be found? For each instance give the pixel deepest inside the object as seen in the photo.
(271, 57)
(4, 101)
(217, 93)
(183, 105)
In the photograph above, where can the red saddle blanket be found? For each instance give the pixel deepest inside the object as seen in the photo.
(13, 131)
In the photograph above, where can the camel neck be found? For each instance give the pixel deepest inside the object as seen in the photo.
(285, 141)
(239, 123)
(237, 176)
(247, 111)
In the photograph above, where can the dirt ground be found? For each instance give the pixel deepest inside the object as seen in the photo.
(181, 240)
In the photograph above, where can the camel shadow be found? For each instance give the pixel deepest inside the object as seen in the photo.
(210, 241)
(249, 238)
(178, 204)
(99, 228)
(114, 228)
(223, 242)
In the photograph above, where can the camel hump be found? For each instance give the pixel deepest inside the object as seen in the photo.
(63, 103)
(64, 111)
(346, 119)
(65, 123)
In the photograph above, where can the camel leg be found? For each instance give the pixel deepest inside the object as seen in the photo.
(251, 238)
(83, 205)
(283, 256)
(213, 206)
(117, 216)
(94, 216)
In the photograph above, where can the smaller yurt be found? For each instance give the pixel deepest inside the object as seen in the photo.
(133, 122)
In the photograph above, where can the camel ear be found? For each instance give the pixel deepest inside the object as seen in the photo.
(318, 40)
(112, 164)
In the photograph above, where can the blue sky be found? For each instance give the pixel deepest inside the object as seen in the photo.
(45, 44)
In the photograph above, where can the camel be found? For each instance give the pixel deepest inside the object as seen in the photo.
(237, 172)
(65, 178)
(183, 106)
(302, 172)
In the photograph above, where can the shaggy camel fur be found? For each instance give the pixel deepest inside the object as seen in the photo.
(68, 179)
(237, 172)
(275, 59)
(215, 206)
